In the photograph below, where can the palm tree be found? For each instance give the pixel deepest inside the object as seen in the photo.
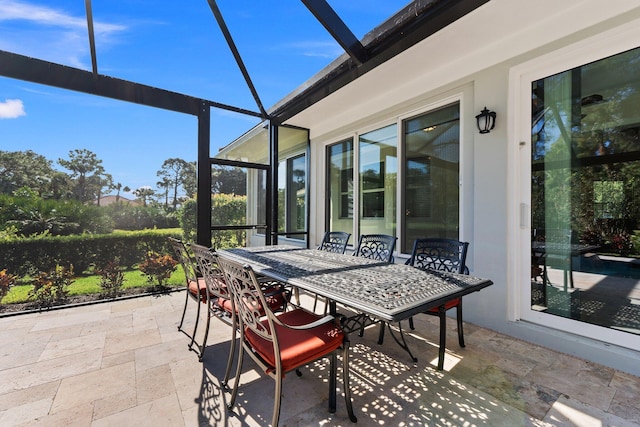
(144, 193)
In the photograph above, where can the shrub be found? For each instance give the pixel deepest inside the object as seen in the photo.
(24, 256)
(621, 243)
(187, 217)
(50, 287)
(226, 209)
(129, 217)
(111, 278)
(6, 282)
(158, 267)
(635, 241)
(32, 215)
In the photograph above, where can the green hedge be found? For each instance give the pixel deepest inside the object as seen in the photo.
(28, 255)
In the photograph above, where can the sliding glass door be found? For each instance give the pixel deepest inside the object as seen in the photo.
(585, 194)
(431, 187)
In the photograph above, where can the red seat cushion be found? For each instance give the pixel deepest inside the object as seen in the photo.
(297, 347)
(447, 305)
(199, 287)
(276, 297)
(225, 304)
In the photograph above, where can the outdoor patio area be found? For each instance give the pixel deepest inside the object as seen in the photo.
(125, 363)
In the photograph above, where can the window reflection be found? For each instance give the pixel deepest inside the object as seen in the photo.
(340, 187)
(377, 181)
(585, 180)
(431, 175)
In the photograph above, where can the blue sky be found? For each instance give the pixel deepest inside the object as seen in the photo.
(172, 45)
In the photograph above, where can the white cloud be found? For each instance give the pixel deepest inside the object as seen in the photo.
(49, 33)
(11, 109)
(18, 10)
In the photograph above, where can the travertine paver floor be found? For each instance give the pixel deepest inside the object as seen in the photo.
(125, 364)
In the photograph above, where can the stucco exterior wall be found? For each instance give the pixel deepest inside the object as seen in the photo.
(478, 73)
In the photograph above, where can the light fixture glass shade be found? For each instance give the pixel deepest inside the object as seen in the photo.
(486, 120)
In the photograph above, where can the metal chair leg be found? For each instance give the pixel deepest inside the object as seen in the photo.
(345, 381)
(460, 331)
(277, 399)
(184, 310)
(234, 392)
(195, 326)
(381, 333)
(232, 350)
(443, 336)
(333, 370)
(206, 330)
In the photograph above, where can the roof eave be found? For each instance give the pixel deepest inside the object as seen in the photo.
(414, 23)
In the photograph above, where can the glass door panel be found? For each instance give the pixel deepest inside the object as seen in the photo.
(431, 174)
(377, 181)
(585, 193)
(340, 184)
(238, 204)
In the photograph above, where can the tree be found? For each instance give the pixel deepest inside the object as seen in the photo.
(165, 185)
(25, 169)
(99, 182)
(118, 187)
(60, 186)
(189, 180)
(179, 173)
(88, 173)
(228, 180)
(144, 193)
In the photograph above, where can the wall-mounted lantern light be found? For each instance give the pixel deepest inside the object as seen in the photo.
(486, 120)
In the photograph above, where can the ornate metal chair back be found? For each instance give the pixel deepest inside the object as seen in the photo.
(185, 259)
(378, 247)
(439, 254)
(208, 265)
(334, 241)
(248, 298)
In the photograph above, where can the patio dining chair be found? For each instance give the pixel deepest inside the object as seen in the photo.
(220, 304)
(378, 247)
(442, 255)
(335, 242)
(219, 301)
(280, 343)
(195, 283)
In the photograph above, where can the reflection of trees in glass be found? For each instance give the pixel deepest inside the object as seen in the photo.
(418, 191)
(281, 210)
(372, 176)
(608, 198)
(586, 150)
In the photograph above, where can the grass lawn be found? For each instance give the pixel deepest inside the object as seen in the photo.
(91, 285)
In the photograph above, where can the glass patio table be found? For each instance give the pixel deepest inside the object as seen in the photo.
(377, 291)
